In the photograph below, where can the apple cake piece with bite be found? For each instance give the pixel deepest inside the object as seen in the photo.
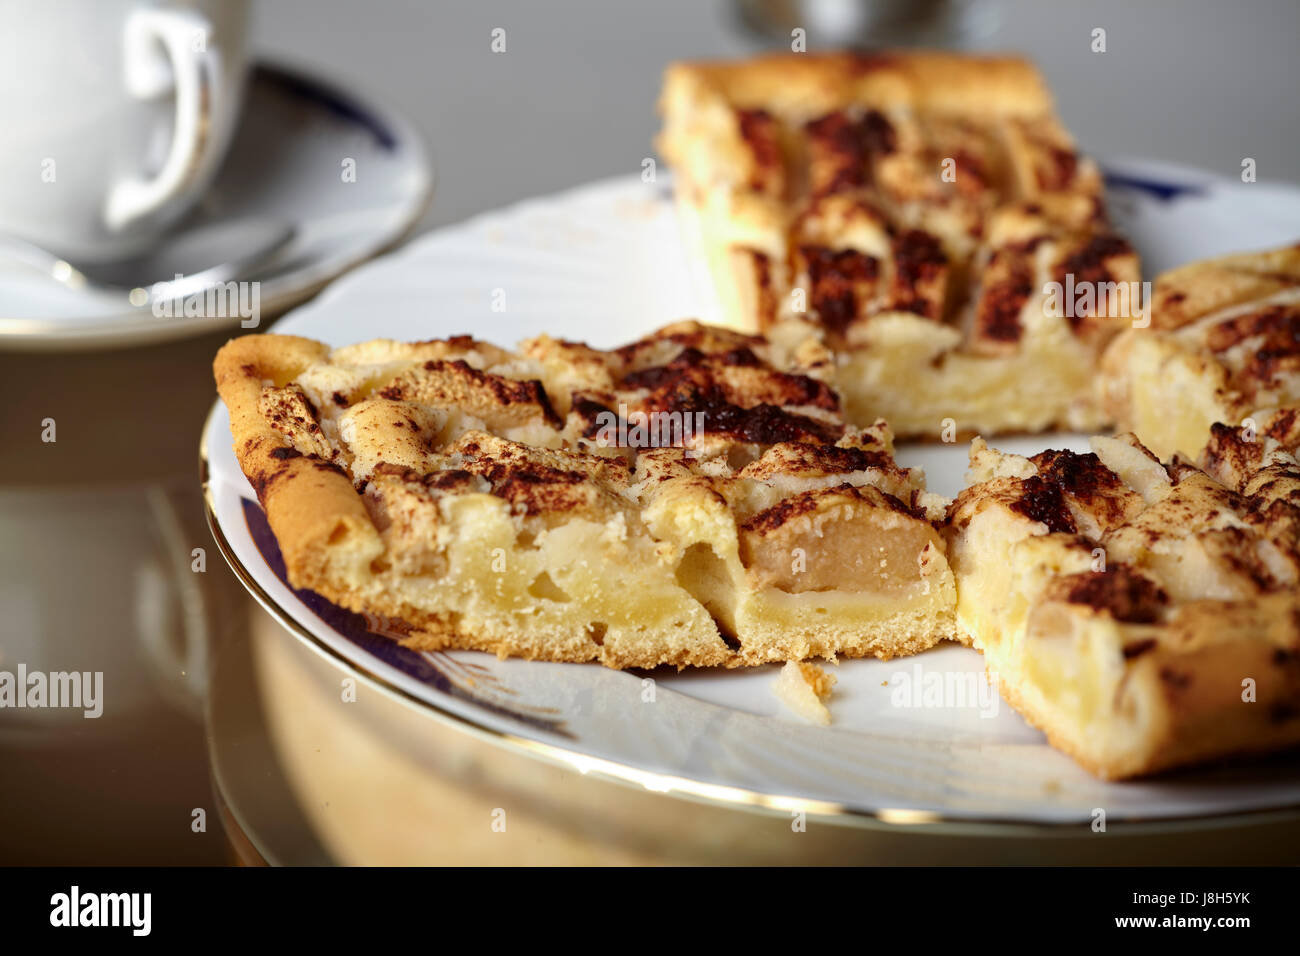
(691, 499)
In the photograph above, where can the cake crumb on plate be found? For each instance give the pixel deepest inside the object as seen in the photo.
(804, 688)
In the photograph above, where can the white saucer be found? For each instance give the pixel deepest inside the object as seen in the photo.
(285, 164)
(604, 263)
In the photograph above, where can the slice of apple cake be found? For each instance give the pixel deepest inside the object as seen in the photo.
(691, 499)
(926, 214)
(1145, 616)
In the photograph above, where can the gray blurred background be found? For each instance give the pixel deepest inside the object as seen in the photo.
(1193, 81)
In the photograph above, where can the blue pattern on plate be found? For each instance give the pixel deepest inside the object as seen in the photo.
(357, 629)
(1160, 189)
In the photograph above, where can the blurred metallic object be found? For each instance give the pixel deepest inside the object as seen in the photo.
(190, 262)
(873, 23)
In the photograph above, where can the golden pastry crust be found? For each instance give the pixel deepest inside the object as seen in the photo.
(533, 503)
(914, 210)
(1199, 289)
(315, 513)
(812, 85)
(1223, 345)
(1144, 616)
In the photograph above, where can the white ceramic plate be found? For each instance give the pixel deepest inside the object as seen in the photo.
(284, 166)
(603, 263)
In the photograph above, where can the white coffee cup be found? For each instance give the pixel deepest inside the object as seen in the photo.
(114, 117)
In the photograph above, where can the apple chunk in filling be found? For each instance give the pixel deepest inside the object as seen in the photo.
(849, 538)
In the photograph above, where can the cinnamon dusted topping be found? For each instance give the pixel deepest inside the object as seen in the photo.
(1089, 266)
(533, 481)
(1285, 426)
(1081, 474)
(687, 362)
(840, 263)
(919, 268)
(1136, 649)
(1180, 468)
(1089, 261)
(1118, 591)
(1229, 457)
(1277, 325)
(837, 155)
(683, 335)
(973, 176)
(878, 134)
(457, 479)
(1060, 172)
(719, 416)
(736, 376)
(762, 424)
(262, 483)
(801, 457)
(333, 467)
(458, 383)
(1021, 249)
(535, 489)
(997, 315)
(450, 479)
(1273, 336)
(841, 280)
(762, 134)
(766, 304)
(1042, 500)
(454, 343)
(840, 147)
(290, 412)
(591, 413)
(689, 382)
(743, 356)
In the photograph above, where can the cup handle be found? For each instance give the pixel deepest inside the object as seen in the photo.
(184, 37)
